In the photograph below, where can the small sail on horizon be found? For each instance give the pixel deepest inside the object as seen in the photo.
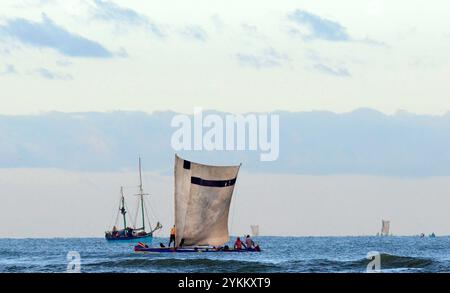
(255, 230)
(385, 225)
(202, 202)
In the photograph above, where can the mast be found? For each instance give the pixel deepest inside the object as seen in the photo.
(122, 209)
(141, 194)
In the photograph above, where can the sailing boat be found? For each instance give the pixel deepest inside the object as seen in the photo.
(202, 202)
(255, 230)
(385, 225)
(128, 233)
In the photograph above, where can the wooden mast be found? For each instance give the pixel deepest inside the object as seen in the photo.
(141, 194)
(122, 209)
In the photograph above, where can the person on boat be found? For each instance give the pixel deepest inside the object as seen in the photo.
(238, 244)
(173, 232)
(129, 232)
(249, 242)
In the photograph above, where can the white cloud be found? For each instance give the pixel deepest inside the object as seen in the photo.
(47, 34)
(9, 69)
(266, 59)
(110, 12)
(48, 74)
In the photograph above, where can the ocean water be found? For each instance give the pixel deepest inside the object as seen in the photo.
(279, 254)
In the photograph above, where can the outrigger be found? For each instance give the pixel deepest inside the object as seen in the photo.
(142, 247)
(202, 201)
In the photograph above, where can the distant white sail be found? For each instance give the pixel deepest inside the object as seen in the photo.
(255, 230)
(202, 201)
(385, 225)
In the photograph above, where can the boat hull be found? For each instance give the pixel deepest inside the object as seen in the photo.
(132, 239)
(138, 248)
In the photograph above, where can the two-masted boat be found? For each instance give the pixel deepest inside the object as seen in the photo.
(128, 233)
(202, 202)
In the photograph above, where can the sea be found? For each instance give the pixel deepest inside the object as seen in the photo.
(279, 254)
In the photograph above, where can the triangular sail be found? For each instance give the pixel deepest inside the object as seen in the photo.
(255, 230)
(202, 201)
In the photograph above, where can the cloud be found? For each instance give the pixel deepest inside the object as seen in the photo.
(195, 33)
(218, 23)
(63, 63)
(252, 31)
(318, 27)
(313, 27)
(109, 11)
(27, 4)
(373, 43)
(9, 69)
(363, 141)
(47, 34)
(122, 53)
(267, 59)
(47, 74)
(339, 71)
(321, 64)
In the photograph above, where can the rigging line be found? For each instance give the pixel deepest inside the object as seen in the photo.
(157, 219)
(128, 210)
(147, 183)
(154, 214)
(146, 215)
(117, 216)
(136, 212)
(148, 203)
(234, 211)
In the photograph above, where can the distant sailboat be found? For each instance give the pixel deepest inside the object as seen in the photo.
(385, 225)
(128, 233)
(255, 230)
(202, 202)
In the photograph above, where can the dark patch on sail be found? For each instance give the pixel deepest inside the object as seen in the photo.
(186, 165)
(213, 183)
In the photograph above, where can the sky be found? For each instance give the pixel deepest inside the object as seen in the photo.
(361, 142)
(94, 55)
(87, 85)
(62, 203)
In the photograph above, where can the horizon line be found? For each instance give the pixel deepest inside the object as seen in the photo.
(231, 236)
(357, 109)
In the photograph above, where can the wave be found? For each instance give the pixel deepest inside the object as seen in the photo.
(388, 262)
(395, 261)
(194, 264)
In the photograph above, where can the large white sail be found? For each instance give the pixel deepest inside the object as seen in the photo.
(385, 227)
(202, 202)
(255, 230)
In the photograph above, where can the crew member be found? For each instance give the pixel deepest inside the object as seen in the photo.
(249, 242)
(173, 231)
(238, 244)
